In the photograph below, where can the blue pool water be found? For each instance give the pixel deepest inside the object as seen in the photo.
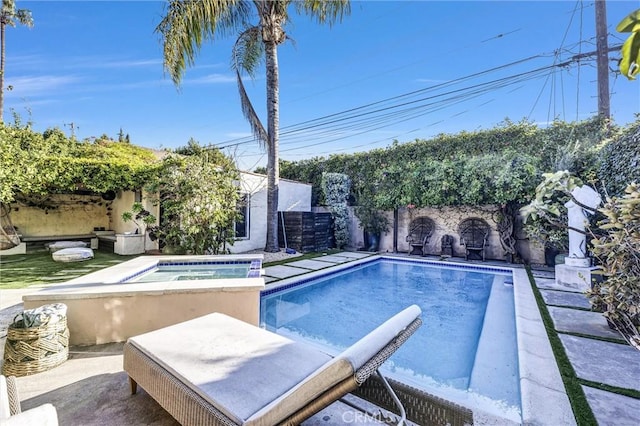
(173, 272)
(452, 351)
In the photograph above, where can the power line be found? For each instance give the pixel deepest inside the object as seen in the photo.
(377, 115)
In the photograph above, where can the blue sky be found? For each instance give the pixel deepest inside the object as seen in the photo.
(392, 70)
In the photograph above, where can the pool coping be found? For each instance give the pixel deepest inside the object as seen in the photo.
(542, 392)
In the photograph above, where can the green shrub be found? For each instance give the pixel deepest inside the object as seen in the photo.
(618, 255)
(620, 160)
(336, 188)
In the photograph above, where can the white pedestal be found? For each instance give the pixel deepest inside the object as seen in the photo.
(574, 278)
(129, 244)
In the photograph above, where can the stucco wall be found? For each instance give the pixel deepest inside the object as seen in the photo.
(447, 220)
(69, 214)
(72, 214)
(98, 319)
(292, 196)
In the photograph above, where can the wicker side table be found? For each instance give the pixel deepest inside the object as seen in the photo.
(35, 349)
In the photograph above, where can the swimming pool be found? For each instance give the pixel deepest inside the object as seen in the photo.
(465, 350)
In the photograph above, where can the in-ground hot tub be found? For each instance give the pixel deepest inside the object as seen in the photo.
(110, 305)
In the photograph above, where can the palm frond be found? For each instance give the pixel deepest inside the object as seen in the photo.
(246, 56)
(187, 23)
(250, 114)
(248, 51)
(324, 11)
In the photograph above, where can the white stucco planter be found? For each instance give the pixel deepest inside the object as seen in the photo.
(129, 244)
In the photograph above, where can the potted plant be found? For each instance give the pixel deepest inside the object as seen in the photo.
(555, 240)
(142, 218)
(373, 222)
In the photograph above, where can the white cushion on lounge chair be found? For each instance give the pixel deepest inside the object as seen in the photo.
(253, 376)
(339, 368)
(237, 367)
(365, 349)
(11, 413)
(42, 415)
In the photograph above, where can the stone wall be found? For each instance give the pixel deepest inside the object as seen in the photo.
(446, 221)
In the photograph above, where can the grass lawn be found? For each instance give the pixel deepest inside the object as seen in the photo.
(19, 271)
(24, 270)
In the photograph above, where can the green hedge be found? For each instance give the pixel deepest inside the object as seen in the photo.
(494, 166)
(40, 163)
(620, 161)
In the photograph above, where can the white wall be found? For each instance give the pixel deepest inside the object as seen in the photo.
(292, 196)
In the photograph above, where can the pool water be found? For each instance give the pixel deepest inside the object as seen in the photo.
(193, 272)
(453, 350)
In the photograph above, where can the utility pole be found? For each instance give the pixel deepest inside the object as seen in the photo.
(602, 59)
(73, 128)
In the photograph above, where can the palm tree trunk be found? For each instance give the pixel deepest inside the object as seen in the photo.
(2, 28)
(273, 125)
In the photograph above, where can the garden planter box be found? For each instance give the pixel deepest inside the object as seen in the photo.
(126, 244)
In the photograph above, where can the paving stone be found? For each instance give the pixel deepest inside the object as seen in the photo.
(583, 322)
(564, 298)
(333, 259)
(352, 254)
(603, 362)
(550, 284)
(283, 271)
(611, 409)
(310, 264)
(269, 279)
(545, 282)
(543, 274)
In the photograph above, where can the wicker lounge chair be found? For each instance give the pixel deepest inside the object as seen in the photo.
(216, 370)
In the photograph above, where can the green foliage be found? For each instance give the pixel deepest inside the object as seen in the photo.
(617, 252)
(371, 219)
(49, 162)
(336, 188)
(545, 217)
(629, 66)
(620, 160)
(143, 218)
(198, 195)
(494, 166)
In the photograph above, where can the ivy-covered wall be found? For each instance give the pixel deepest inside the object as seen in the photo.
(498, 167)
(492, 166)
(49, 162)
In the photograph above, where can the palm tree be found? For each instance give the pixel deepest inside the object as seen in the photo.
(9, 15)
(188, 23)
